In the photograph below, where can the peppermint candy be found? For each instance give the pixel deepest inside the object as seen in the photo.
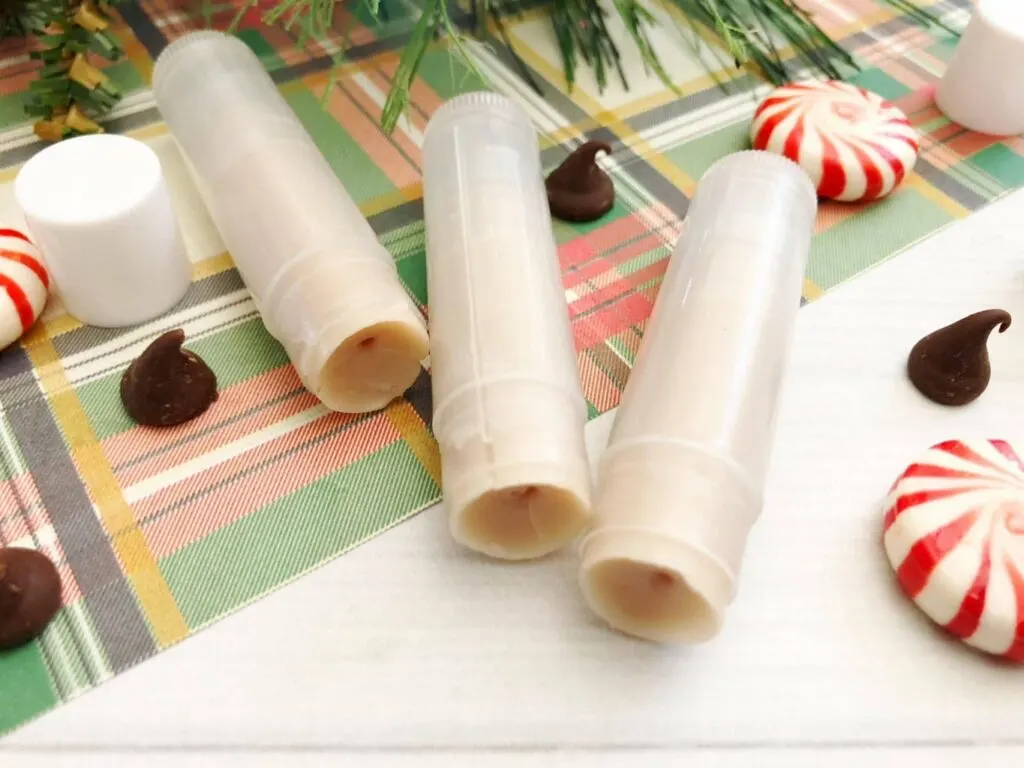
(852, 143)
(24, 285)
(954, 534)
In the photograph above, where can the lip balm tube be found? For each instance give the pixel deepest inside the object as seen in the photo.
(324, 285)
(508, 409)
(680, 484)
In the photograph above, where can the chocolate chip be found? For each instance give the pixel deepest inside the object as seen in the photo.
(950, 366)
(167, 385)
(30, 595)
(578, 189)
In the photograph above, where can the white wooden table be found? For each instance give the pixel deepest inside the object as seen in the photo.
(410, 651)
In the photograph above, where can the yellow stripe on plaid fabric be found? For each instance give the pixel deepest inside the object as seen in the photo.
(937, 196)
(409, 425)
(139, 566)
(811, 291)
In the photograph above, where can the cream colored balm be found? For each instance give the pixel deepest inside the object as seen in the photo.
(680, 484)
(324, 285)
(508, 409)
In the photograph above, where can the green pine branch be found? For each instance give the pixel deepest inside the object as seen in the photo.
(773, 38)
(69, 91)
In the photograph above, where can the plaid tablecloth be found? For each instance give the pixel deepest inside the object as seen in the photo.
(158, 534)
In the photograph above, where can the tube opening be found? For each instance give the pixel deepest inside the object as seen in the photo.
(650, 601)
(520, 522)
(372, 367)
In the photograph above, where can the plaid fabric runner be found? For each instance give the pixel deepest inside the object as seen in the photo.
(158, 534)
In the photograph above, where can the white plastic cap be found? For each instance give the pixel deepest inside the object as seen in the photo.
(99, 210)
(680, 484)
(325, 286)
(983, 88)
(508, 408)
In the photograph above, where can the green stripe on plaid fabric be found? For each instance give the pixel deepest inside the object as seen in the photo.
(25, 687)
(298, 531)
(159, 533)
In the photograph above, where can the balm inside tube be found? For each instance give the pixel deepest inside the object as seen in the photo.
(680, 484)
(508, 409)
(324, 285)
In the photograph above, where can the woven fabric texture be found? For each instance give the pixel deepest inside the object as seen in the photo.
(157, 534)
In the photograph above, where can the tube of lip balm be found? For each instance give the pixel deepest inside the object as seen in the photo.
(324, 285)
(680, 484)
(508, 410)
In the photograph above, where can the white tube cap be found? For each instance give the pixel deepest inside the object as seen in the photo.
(982, 89)
(100, 212)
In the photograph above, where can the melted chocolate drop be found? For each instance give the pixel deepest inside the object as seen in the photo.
(950, 366)
(578, 189)
(167, 385)
(30, 595)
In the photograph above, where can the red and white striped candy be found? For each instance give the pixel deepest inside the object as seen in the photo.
(24, 283)
(954, 533)
(853, 144)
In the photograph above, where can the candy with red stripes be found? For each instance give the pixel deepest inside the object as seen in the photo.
(954, 534)
(853, 144)
(24, 285)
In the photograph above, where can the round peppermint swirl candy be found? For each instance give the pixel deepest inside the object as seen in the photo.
(954, 533)
(24, 283)
(853, 144)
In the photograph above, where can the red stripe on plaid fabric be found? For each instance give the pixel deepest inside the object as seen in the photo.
(423, 100)
(230, 491)
(967, 144)
(241, 410)
(616, 285)
(575, 253)
(598, 388)
(595, 328)
(917, 100)
(367, 134)
(578, 279)
(20, 301)
(400, 137)
(21, 508)
(422, 97)
(27, 261)
(607, 243)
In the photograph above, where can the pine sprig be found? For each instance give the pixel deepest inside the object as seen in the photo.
(70, 91)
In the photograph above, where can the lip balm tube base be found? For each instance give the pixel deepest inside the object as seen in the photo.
(520, 489)
(355, 355)
(635, 573)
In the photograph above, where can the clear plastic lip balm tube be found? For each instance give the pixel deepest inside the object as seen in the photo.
(680, 484)
(324, 285)
(508, 409)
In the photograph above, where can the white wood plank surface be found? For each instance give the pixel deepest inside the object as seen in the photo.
(410, 651)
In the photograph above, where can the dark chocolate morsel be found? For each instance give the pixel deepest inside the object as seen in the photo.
(578, 189)
(167, 385)
(950, 366)
(30, 595)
